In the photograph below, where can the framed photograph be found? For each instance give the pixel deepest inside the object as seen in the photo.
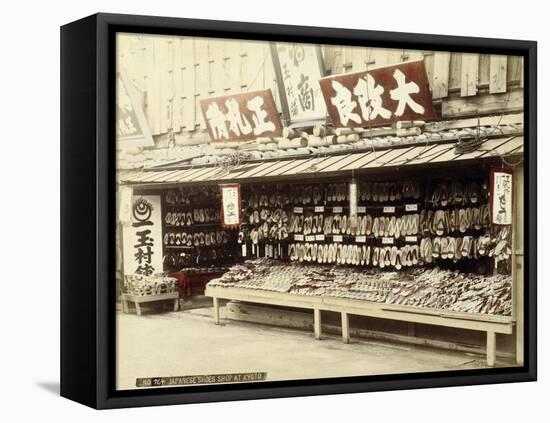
(260, 211)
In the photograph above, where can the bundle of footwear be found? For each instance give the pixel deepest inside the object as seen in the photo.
(330, 253)
(209, 215)
(192, 195)
(459, 220)
(220, 253)
(444, 289)
(266, 224)
(179, 238)
(389, 191)
(149, 285)
(459, 193)
(200, 239)
(264, 215)
(262, 197)
(179, 218)
(183, 218)
(304, 195)
(396, 227)
(264, 233)
(176, 260)
(495, 244)
(356, 255)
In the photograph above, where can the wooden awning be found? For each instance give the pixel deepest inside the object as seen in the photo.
(328, 165)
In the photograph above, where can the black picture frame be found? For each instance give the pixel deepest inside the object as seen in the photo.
(88, 210)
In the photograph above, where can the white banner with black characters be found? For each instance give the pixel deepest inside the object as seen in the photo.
(231, 204)
(298, 69)
(501, 196)
(143, 237)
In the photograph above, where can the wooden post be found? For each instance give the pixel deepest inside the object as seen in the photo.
(491, 348)
(138, 308)
(176, 304)
(317, 323)
(216, 310)
(345, 328)
(518, 265)
(520, 330)
(124, 305)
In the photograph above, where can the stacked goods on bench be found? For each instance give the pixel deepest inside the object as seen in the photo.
(149, 285)
(433, 288)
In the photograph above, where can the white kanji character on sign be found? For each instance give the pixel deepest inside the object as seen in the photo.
(260, 124)
(370, 98)
(343, 103)
(216, 118)
(238, 123)
(403, 94)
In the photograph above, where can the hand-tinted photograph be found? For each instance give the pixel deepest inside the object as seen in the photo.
(291, 211)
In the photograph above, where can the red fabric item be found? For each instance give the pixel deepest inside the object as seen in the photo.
(188, 280)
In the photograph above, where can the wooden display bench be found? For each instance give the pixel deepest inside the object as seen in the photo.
(139, 299)
(491, 324)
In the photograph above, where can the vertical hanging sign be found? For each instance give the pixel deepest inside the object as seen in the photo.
(143, 237)
(353, 203)
(298, 68)
(353, 198)
(131, 126)
(501, 196)
(231, 205)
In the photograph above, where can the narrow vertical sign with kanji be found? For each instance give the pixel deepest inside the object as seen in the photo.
(231, 205)
(143, 237)
(298, 69)
(501, 196)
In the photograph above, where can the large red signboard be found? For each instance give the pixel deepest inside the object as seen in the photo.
(241, 117)
(379, 96)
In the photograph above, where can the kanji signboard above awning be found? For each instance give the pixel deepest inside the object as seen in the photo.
(379, 96)
(298, 68)
(241, 117)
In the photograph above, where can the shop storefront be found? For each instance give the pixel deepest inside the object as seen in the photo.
(379, 195)
(408, 232)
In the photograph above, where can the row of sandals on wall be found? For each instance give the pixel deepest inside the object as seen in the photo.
(276, 225)
(447, 248)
